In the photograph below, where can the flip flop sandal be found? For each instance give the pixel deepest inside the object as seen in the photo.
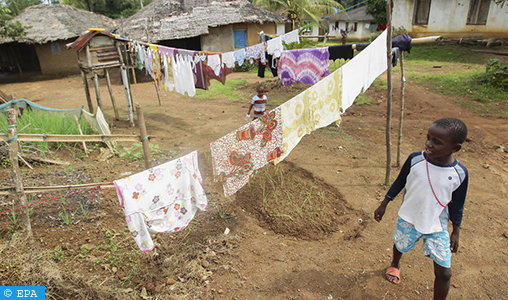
(395, 273)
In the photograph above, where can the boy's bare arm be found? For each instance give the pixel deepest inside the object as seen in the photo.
(251, 105)
(380, 211)
(454, 238)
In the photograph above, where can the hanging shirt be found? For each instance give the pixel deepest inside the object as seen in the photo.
(215, 63)
(291, 37)
(403, 42)
(161, 199)
(274, 46)
(228, 59)
(314, 108)
(341, 52)
(238, 154)
(304, 65)
(255, 52)
(240, 56)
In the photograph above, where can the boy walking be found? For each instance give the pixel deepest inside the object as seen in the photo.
(435, 186)
(258, 102)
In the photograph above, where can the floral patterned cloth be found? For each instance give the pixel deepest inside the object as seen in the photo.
(161, 199)
(314, 108)
(255, 52)
(238, 154)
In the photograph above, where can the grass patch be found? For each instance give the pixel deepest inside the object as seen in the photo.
(442, 53)
(42, 122)
(362, 99)
(487, 100)
(218, 91)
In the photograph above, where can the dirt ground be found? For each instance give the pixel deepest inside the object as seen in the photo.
(327, 246)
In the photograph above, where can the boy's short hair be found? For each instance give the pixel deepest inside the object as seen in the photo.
(260, 86)
(455, 128)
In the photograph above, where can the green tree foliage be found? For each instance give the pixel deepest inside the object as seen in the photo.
(312, 10)
(377, 9)
(16, 6)
(10, 29)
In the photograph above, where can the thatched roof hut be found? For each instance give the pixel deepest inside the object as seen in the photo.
(57, 22)
(181, 19)
(43, 48)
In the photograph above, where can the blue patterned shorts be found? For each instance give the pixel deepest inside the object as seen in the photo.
(435, 245)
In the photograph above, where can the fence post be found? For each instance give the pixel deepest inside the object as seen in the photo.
(143, 135)
(13, 158)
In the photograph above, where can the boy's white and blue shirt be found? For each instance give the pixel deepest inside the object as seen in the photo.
(419, 206)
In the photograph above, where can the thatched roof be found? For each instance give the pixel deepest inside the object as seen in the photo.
(178, 19)
(355, 15)
(58, 22)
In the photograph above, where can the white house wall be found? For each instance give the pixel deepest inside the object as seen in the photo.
(361, 32)
(448, 18)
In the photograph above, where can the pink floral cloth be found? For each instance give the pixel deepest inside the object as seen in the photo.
(238, 154)
(161, 199)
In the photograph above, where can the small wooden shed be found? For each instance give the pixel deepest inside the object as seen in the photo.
(99, 50)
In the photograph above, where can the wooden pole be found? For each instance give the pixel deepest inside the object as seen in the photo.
(12, 131)
(143, 135)
(157, 90)
(108, 82)
(95, 78)
(81, 133)
(87, 92)
(401, 116)
(127, 90)
(389, 92)
(96, 86)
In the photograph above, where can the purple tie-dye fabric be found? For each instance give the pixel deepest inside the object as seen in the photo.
(304, 65)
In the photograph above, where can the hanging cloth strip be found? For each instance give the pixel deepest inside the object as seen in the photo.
(274, 46)
(371, 63)
(184, 79)
(156, 67)
(238, 154)
(255, 52)
(304, 65)
(291, 37)
(167, 67)
(214, 62)
(314, 108)
(240, 56)
(161, 199)
(197, 67)
(341, 52)
(210, 74)
(228, 59)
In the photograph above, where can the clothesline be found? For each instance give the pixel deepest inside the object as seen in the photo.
(175, 186)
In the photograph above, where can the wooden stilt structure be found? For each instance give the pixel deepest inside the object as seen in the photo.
(98, 50)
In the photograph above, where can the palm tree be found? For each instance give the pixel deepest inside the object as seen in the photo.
(296, 9)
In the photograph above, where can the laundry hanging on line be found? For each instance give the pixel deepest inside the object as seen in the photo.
(161, 199)
(304, 65)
